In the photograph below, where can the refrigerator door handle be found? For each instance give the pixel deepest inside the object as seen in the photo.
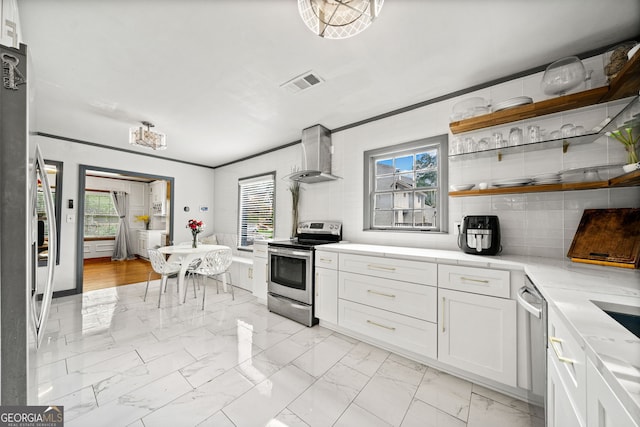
(41, 315)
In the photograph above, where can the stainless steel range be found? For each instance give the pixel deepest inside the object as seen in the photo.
(290, 268)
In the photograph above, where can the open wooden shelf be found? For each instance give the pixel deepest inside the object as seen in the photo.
(630, 179)
(626, 83)
(564, 143)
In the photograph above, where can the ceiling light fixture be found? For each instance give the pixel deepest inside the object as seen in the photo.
(338, 19)
(147, 138)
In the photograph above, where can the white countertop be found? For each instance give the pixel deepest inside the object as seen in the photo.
(568, 287)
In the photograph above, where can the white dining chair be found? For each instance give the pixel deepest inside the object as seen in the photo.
(190, 270)
(191, 274)
(215, 264)
(164, 269)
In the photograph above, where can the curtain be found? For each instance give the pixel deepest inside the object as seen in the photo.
(123, 249)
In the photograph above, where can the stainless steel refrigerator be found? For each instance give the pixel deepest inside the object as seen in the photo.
(24, 299)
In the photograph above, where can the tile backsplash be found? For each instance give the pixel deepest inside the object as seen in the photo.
(543, 224)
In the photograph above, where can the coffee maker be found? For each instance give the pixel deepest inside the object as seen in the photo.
(480, 235)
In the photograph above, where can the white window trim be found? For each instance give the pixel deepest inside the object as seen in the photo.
(262, 178)
(395, 150)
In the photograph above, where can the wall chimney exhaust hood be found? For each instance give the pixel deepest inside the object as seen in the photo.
(316, 152)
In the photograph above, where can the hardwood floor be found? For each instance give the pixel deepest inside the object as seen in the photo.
(100, 273)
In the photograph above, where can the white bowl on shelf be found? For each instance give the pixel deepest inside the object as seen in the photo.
(630, 167)
(461, 187)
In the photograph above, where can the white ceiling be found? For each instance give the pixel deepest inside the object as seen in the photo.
(208, 73)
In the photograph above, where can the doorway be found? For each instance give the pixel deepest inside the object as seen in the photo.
(97, 223)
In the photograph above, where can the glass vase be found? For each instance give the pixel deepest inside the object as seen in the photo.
(194, 244)
(633, 155)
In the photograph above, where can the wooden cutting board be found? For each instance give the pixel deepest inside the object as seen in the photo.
(608, 237)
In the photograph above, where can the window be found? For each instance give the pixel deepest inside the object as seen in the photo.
(255, 209)
(100, 216)
(406, 186)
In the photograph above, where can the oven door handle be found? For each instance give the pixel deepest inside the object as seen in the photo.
(535, 311)
(290, 252)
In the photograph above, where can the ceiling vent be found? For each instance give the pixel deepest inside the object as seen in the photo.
(302, 82)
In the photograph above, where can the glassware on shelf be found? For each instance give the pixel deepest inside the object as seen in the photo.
(453, 147)
(483, 144)
(563, 75)
(498, 142)
(535, 134)
(470, 145)
(628, 117)
(470, 107)
(568, 130)
(515, 137)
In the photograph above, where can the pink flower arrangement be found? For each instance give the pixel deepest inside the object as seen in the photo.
(195, 226)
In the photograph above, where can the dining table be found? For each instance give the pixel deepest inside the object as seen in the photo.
(185, 255)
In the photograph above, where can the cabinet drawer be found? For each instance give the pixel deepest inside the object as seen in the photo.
(570, 359)
(326, 260)
(482, 281)
(397, 269)
(410, 299)
(408, 333)
(260, 249)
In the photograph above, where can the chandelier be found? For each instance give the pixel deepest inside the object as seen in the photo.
(147, 138)
(338, 19)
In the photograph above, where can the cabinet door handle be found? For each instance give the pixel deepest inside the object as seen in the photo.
(327, 260)
(443, 314)
(468, 279)
(380, 267)
(371, 322)
(371, 291)
(317, 275)
(553, 341)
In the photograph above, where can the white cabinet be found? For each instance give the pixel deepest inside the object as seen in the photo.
(326, 286)
(260, 273)
(158, 197)
(326, 295)
(560, 409)
(477, 333)
(603, 407)
(148, 239)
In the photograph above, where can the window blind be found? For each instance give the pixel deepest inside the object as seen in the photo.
(256, 209)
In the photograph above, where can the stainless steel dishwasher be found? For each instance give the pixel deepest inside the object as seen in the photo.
(531, 300)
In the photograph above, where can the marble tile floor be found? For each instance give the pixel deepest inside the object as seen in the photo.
(112, 359)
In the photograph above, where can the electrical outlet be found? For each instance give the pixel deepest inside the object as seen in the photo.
(457, 225)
